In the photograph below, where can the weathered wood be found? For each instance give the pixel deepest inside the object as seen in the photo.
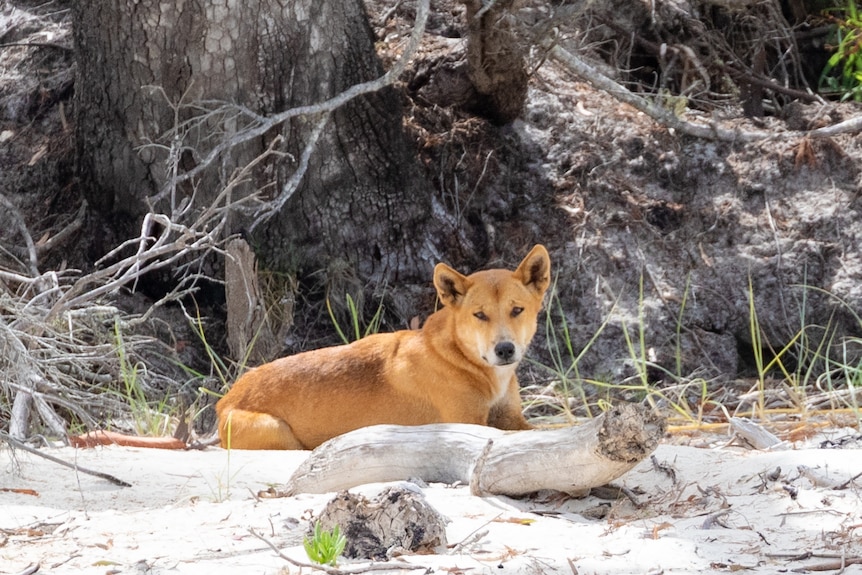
(753, 434)
(255, 329)
(571, 460)
(155, 132)
(397, 520)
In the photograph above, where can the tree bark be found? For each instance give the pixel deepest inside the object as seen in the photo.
(495, 60)
(256, 324)
(571, 460)
(146, 68)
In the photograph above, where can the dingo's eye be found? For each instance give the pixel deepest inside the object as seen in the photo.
(480, 315)
(516, 311)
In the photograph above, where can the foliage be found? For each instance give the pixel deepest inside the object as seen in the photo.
(756, 346)
(83, 357)
(147, 420)
(324, 547)
(218, 367)
(814, 371)
(593, 396)
(222, 491)
(847, 58)
(568, 384)
(355, 319)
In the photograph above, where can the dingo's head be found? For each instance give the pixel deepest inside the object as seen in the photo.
(495, 310)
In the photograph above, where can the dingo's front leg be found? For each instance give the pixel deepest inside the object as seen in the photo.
(506, 413)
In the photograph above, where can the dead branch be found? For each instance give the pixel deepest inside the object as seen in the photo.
(745, 76)
(26, 375)
(491, 461)
(19, 445)
(33, 266)
(753, 434)
(174, 243)
(710, 131)
(102, 437)
(59, 366)
(260, 125)
(29, 570)
(374, 566)
(70, 229)
(57, 369)
(48, 301)
(274, 206)
(849, 126)
(666, 117)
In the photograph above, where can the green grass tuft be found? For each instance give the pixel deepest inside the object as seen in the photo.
(324, 547)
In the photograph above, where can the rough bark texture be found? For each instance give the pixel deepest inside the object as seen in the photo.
(363, 202)
(142, 66)
(255, 326)
(571, 460)
(495, 60)
(651, 230)
(485, 75)
(396, 521)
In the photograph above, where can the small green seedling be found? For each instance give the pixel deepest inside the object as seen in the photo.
(324, 547)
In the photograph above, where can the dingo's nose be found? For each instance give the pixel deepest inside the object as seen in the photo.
(505, 351)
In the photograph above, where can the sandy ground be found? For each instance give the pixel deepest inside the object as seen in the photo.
(702, 510)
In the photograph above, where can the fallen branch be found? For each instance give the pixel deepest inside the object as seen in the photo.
(571, 460)
(20, 445)
(13, 212)
(45, 247)
(846, 127)
(753, 434)
(666, 117)
(29, 570)
(746, 76)
(376, 566)
(46, 304)
(836, 562)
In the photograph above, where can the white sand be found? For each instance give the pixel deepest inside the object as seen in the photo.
(189, 512)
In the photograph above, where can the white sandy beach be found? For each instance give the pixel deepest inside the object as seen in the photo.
(190, 512)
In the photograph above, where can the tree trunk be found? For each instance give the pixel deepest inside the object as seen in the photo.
(145, 68)
(495, 60)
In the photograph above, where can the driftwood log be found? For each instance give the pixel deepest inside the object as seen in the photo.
(571, 460)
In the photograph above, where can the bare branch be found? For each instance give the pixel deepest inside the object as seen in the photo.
(19, 445)
(375, 566)
(272, 207)
(25, 233)
(55, 317)
(709, 130)
(846, 127)
(71, 228)
(174, 242)
(262, 124)
(662, 115)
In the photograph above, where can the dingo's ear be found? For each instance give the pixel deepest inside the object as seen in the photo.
(451, 286)
(535, 270)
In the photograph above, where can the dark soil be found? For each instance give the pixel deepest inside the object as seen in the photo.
(665, 247)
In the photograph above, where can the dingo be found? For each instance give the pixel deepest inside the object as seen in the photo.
(459, 368)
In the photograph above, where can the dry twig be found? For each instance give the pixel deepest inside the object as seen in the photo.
(374, 566)
(60, 346)
(708, 130)
(19, 445)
